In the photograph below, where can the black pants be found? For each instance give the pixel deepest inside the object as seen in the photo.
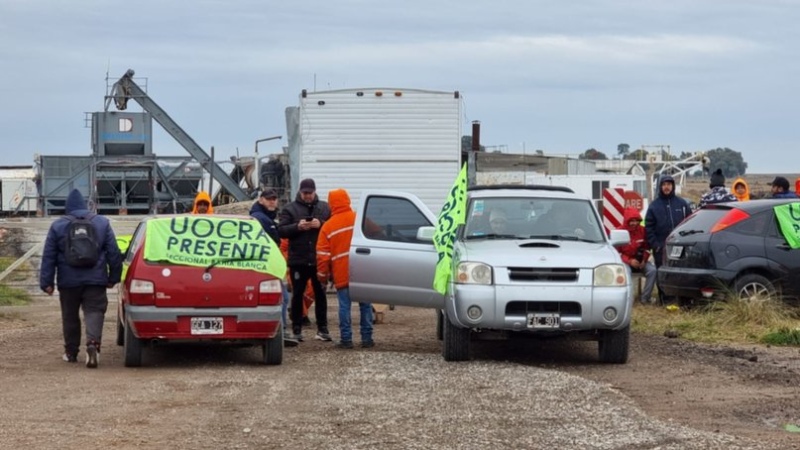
(94, 302)
(300, 276)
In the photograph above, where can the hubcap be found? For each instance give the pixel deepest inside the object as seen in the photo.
(754, 291)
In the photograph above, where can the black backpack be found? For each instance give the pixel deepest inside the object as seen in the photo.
(81, 249)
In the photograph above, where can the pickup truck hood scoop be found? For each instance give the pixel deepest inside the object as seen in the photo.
(538, 244)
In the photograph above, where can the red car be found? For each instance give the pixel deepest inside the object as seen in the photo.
(214, 279)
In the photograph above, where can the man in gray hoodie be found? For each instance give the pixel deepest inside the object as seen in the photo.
(81, 256)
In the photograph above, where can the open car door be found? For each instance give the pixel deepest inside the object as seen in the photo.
(388, 264)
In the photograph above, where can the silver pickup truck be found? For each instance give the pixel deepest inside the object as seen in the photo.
(530, 260)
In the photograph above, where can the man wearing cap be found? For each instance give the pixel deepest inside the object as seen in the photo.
(265, 210)
(718, 193)
(780, 188)
(300, 222)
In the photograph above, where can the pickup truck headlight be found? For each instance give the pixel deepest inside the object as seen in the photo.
(610, 275)
(473, 273)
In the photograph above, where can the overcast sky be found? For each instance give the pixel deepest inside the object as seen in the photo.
(560, 76)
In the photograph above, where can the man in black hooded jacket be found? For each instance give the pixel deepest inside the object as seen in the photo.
(80, 288)
(663, 215)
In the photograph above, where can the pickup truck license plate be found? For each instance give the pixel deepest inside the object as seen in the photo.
(544, 320)
(207, 325)
(676, 252)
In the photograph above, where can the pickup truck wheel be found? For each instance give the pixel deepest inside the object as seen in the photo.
(120, 333)
(613, 345)
(272, 351)
(455, 345)
(439, 325)
(132, 348)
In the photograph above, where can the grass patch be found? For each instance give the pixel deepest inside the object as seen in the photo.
(783, 336)
(731, 321)
(10, 296)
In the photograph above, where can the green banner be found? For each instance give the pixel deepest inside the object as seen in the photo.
(789, 222)
(123, 242)
(454, 213)
(224, 242)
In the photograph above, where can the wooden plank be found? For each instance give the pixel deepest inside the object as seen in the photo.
(21, 260)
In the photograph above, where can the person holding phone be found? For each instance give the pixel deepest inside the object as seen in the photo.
(300, 222)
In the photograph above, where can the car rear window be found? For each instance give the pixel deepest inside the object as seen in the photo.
(756, 225)
(703, 220)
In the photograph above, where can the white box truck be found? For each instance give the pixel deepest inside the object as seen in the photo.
(376, 138)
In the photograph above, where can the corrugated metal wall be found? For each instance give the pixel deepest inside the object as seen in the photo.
(403, 139)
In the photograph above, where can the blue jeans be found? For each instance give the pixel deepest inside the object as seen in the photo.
(365, 310)
(285, 305)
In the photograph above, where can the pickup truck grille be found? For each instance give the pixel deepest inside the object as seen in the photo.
(537, 274)
(565, 308)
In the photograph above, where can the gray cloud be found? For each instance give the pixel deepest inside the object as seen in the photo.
(557, 77)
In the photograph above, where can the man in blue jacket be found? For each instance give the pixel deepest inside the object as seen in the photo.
(265, 210)
(663, 215)
(81, 286)
(780, 188)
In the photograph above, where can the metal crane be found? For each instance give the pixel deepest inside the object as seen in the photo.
(126, 89)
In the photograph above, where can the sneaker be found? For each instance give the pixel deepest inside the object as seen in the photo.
(323, 335)
(297, 333)
(368, 344)
(92, 357)
(345, 344)
(70, 357)
(289, 340)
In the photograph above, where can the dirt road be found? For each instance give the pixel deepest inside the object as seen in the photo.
(519, 394)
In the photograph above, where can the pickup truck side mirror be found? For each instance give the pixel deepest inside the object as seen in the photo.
(425, 234)
(619, 237)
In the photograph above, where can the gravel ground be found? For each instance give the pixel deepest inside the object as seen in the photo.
(401, 394)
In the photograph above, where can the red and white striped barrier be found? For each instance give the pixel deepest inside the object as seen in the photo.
(613, 208)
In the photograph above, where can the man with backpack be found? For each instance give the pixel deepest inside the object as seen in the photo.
(82, 256)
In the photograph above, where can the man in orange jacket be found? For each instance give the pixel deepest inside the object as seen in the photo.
(202, 204)
(741, 190)
(333, 258)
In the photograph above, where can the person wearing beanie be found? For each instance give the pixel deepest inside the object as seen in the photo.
(741, 189)
(718, 193)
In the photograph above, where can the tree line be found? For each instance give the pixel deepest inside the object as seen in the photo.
(730, 161)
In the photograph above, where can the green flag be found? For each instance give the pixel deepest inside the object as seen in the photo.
(454, 213)
(789, 222)
(205, 240)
